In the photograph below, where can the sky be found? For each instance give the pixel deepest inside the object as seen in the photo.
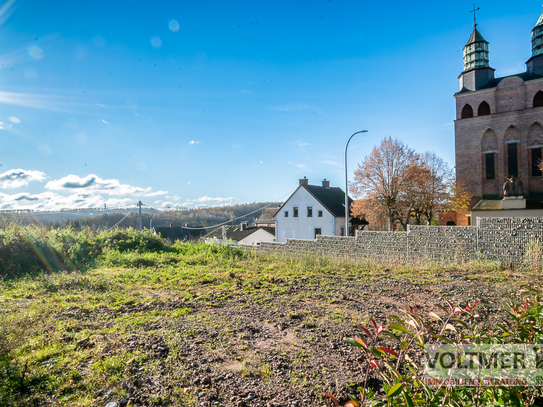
(206, 103)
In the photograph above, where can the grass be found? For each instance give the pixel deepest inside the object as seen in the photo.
(66, 335)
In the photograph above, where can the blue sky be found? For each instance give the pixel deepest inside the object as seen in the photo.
(221, 102)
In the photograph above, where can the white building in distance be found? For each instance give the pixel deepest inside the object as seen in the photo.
(310, 211)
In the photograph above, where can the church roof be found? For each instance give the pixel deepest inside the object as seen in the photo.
(476, 36)
(525, 76)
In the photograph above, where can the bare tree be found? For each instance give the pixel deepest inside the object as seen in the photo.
(434, 181)
(397, 184)
(382, 177)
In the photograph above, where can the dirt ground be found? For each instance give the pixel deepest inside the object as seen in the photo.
(280, 343)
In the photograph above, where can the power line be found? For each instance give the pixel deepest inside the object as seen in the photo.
(120, 220)
(239, 217)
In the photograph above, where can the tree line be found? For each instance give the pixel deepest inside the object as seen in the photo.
(192, 218)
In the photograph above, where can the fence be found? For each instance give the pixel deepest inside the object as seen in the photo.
(503, 239)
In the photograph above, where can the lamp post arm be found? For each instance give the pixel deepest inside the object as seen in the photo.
(347, 185)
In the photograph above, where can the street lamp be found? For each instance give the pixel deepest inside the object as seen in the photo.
(347, 186)
(151, 222)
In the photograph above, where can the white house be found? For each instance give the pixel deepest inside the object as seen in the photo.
(241, 235)
(310, 211)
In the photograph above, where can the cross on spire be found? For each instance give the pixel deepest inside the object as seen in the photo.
(474, 11)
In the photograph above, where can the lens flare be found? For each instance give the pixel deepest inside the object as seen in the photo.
(99, 41)
(174, 26)
(156, 42)
(36, 52)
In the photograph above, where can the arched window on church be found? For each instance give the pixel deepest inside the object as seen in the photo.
(538, 99)
(484, 109)
(467, 112)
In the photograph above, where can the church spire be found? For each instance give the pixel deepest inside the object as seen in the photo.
(535, 64)
(537, 38)
(476, 51)
(477, 71)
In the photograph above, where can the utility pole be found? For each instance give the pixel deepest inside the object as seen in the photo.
(139, 204)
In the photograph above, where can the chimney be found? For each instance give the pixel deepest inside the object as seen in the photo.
(326, 184)
(304, 182)
(243, 226)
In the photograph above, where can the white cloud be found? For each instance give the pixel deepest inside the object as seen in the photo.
(69, 192)
(14, 119)
(209, 201)
(19, 178)
(300, 166)
(95, 184)
(331, 161)
(104, 121)
(300, 144)
(157, 193)
(194, 142)
(51, 201)
(4, 126)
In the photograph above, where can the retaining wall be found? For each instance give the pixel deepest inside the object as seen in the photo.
(503, 239)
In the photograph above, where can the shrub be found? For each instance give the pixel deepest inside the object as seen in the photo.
(401, 374)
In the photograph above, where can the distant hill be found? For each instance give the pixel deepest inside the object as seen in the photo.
(192, 217)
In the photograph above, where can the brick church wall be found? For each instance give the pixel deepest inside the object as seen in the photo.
(512, 116)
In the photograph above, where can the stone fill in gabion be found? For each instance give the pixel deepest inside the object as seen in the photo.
(503, 239)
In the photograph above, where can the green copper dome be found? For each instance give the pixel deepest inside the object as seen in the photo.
(476, 51)
(537, 38)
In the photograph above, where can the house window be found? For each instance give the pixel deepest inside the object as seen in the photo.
(512, 160)
(317, 232)
(286, 214)
(342, 231)
(309, 211)
(490, 166)
(536, 162)
(295, 211)
(320, 214)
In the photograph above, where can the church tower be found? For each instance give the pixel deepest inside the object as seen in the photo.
(477, 71)
(499, 133)
(535, 63)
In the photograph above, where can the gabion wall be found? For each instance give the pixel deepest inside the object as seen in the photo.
(509, 240)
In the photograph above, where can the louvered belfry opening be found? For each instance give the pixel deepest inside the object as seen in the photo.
(484, 109)
(467, 112)
(538, 99)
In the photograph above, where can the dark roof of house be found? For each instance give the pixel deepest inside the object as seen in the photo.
(179, 232)
(267, 216)
(332, 199)
(236, 234)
